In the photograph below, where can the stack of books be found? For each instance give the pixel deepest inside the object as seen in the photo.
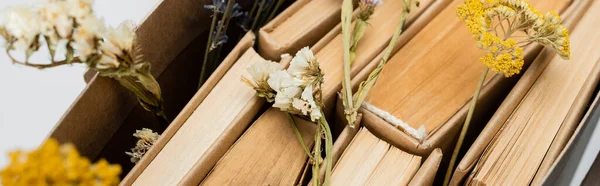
(227, 135)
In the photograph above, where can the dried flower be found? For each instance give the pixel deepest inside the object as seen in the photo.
(79, 9)
(305, 66)
(24, 25)
(306, 104)
(87, 37)
(259, 75)
(373, 2)
(147, 138)
(54, 164)
(71, 24)
(291, 90)
(486, 22)
(287, 88)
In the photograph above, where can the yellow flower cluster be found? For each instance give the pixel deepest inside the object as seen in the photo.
(53, 164)
(493, 24)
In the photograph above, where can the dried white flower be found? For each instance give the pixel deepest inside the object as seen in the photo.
(56, 17)
(118, 40)
(259, 75)
(80, 9)
(23, 23)
(287, 88)
(147, 138)
(307, 95)
(374, 2)
(85, 37)
(300, 65)
(260, 71)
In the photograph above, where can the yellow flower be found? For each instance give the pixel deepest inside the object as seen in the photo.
(487, 21)
(53, 164)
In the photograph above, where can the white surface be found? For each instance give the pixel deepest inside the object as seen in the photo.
(32, 100)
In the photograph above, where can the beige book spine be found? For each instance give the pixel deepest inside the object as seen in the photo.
(426, 174)
(246, 42)
(268, 153)
(572, 16)
(572, 120)
(307, 26)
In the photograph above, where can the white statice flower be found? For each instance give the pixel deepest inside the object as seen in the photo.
(56, 17)
(106, 62)
(24, 23)
(287, 88)
(118, 40)
(301, 63)
(80, 9)
(309, 104)
(259, 71)
(84, 38)
(374, 2)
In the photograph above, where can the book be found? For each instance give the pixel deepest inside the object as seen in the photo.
(268, 153)
(517, 153)
(302, 24)
(571, 17)
(383, 22)
(212, 127)
(369, 160)
(427, 83)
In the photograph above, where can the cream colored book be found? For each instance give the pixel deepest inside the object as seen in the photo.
(515, 155)
(369, 160)
(226, 110)
(269, 153)
(429, 80)
(302, 24)
(383, 22)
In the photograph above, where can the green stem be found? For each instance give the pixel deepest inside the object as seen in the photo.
(317, 156)
(328, 148)
(260, 7)
(274, 11)
(465, 127)
(346, 84)
(366, 85)
(208, 44)
(299, 135)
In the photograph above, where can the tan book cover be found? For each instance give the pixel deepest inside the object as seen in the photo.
(302, 24)
(214, 124)
(246, 42)
(369, 160)
(518, 151)
(468, 161)
(428, 82)
(377, 36)
(267, 154)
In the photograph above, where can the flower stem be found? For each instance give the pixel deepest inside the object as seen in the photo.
(465, 127)
(260, 7)
(317, 156)
(365, 86)
(275, 10)
(208, 44)
(346, 84)
(299, 135)
(328, 148)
